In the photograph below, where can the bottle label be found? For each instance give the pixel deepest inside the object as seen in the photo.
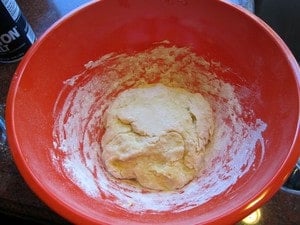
(16, 35)
(7, 38)
(12, 8)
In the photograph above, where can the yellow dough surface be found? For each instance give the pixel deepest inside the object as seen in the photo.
(157, 135)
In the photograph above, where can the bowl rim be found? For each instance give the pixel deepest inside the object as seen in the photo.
(68, 213)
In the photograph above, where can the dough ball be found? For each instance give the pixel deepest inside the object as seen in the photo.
(156, 135)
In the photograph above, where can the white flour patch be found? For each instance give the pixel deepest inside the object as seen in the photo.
(237, 142)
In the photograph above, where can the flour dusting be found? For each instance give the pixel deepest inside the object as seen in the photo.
(78, 127)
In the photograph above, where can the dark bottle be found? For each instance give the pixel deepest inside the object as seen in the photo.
(16, 34)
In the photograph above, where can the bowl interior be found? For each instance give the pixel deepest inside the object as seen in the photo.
(260, 64)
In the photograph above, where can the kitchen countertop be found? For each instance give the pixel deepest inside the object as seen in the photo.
(17, 199)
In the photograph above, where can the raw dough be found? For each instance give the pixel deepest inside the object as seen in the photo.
(157, 135)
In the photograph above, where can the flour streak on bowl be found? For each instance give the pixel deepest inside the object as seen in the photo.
(78, 127)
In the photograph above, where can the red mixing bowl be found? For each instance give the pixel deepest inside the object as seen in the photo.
(257, 60)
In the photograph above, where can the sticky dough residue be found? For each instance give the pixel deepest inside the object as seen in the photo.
(84, 98)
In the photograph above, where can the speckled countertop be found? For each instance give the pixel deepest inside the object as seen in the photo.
(16, 198)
